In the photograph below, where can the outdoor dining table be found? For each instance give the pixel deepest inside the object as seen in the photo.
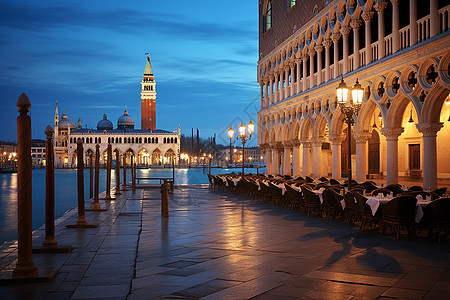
(374, 203)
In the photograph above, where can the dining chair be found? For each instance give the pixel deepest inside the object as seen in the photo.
(399, 213)
(312, 201)
(364, 212)
(331, 205)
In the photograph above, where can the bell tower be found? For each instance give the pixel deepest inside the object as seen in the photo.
(148, 98)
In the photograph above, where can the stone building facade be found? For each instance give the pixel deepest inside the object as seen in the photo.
(399, 50)
(148, 145)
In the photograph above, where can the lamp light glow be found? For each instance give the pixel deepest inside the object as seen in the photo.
(242, 129)
(251, 127)
(342, 92)
(230, 132)
(357, 92)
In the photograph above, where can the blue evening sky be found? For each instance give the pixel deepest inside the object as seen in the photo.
(90, 56)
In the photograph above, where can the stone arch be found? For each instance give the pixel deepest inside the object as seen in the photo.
(319, 126)
(306, 130)
(295, 131)
(432, 106)
(286, 132)
(169, 156)
(363, 122)
(395, 112)
(156, 157)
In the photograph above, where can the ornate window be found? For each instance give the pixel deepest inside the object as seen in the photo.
(291, 3)
(267, 17)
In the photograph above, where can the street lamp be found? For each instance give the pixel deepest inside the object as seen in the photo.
(244, 137)
(349, 107)
(230, 136)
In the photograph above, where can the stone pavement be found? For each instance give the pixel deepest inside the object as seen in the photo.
(220, 246)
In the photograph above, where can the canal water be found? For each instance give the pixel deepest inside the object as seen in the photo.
(66, 191)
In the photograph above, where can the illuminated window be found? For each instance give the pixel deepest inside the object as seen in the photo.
(292, 3)
(267, 17)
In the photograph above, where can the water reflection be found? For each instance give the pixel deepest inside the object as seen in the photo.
(66, 191)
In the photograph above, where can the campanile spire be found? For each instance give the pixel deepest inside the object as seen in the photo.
(148, 97)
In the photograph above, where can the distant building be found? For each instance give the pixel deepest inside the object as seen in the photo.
(8, 152)
(149, 145)
(38, 152)
(252, 155)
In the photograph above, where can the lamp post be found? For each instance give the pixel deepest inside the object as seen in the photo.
(349, 108)
(244, 137)
(230, 135)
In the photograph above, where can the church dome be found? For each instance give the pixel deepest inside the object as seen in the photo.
(104, 124)
(125, 121)
(65, 123)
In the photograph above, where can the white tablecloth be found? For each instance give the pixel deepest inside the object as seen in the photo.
(374, 203)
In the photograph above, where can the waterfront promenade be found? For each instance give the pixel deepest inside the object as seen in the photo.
(221, 246)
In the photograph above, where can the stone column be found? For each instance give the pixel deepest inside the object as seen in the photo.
(319, 49)
(356, 24)
(287, 87)
(413, 22)
(306, 158)
(429, 134)
(311, 53)
(345, 32)
(296, 159)
(276, 98)
(392, 135)
(267, 95)
(367, 17)
(336, 165)
(275, 161)
(25, 267)
(299, 87)
(361, 167)
(50, 241)
(292, 89)
(281, 92)
(317, 149)
(81, 221)
(287, 158)
(91, 176)
(336, 37)
(434, 18)
(305, 72)
(395, 26)
(261, 93)
(327, 45)
(380, 7)
(271, 78)
(268, 158)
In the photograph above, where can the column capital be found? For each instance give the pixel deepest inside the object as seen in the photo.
(271, 77)
(264, 147)
(298, 60)
(380, 6)
(338, 139)
(311, 52)
(392, 133)
(327, 43)
(395, 2)
(305, 57)
(287, 144)
(317, 142)
(306, 143)
(287, 67)
(277, 146)
(346, 30)
(295, 143)
(336, 37)
(355, 24)
(362, 137)
(318, 48)
(292, 64)
(367, 16)
(429, 129)
(266, 79)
